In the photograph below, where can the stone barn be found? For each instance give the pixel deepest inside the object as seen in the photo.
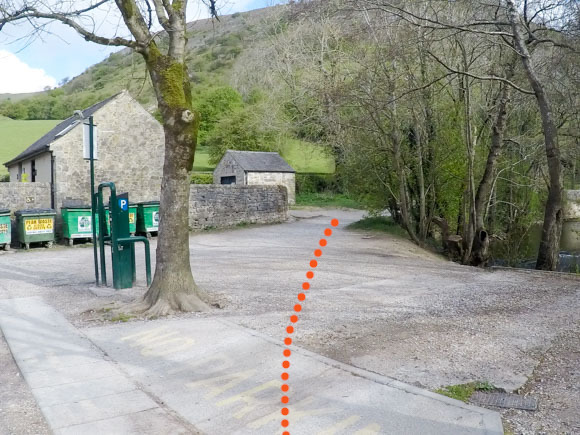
(130, 150)
(256, 168)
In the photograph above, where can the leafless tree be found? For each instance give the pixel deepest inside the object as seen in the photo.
(524, 27)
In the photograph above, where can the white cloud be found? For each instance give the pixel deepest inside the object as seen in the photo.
(16, 76)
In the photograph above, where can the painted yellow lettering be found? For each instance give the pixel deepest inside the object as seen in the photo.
(295, 411)
(249, 399)
(371, 429)
(341, 425)
(207, 365)
(164, 348)
(218, 389)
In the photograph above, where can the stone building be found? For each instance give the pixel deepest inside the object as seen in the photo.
(256, 168)
(570, 240)
(129, 152)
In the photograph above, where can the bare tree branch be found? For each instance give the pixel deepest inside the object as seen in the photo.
(429, 23)
(161, 13)
(29, 13)
(496, 78)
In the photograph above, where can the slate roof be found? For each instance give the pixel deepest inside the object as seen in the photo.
(64, 127)
(259, 161)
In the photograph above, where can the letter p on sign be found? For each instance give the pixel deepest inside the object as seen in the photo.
(124, 204)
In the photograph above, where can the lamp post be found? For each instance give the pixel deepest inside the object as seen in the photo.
(93, 202)
(91, 126)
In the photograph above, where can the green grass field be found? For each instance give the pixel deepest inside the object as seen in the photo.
(16, 136)
(306, 157)
(201, 162)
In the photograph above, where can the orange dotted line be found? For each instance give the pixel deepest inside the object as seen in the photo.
(294, 318)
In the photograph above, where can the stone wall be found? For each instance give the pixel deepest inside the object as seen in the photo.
(286, 179)
(18, 196)
(130, 153)
(221, 206)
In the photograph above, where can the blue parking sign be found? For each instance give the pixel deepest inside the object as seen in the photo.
(123, 204)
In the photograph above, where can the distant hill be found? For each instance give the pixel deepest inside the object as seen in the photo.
(18, 97)
(213, 49)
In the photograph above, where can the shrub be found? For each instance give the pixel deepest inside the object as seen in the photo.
(202, 178)
(315, 183)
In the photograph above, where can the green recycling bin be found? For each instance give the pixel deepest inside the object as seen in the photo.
(35, 226)
(5, 229)
(132, 219)
(77, 223)
(148, 217)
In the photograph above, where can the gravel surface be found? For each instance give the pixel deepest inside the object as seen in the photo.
(376, 302)
(19, 413)
(556, 384)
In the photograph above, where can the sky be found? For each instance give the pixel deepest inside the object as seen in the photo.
(30, 64)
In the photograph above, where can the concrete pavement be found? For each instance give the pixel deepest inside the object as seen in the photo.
(77, 389)
(179, 376)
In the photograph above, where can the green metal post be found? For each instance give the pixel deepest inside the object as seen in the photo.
(102, 224)
(102, 230)
(93, 207)
(133, 263)
(131, 241)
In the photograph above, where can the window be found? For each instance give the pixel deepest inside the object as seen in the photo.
(228, 180)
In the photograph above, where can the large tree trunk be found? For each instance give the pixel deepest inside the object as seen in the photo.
(403, 196)
(173, 287)
(422, 227)
(470, 215)
(552, 229)
(482, 196)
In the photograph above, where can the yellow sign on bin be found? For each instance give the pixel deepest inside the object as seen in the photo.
(38, 226)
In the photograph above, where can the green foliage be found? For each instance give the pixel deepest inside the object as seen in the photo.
(315, 183)
(202, 178)
(53, 105)
(239, 131)
(326, 199)
(379, 223)
(122, 317)
(214, 104)
(463, 392)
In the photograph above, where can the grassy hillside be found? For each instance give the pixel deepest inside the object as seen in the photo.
(302, 156)
(214, 48)
(307, 157)
(17, 97)
(16, 136)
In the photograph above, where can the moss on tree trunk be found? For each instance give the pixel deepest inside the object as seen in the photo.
(173, 287)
